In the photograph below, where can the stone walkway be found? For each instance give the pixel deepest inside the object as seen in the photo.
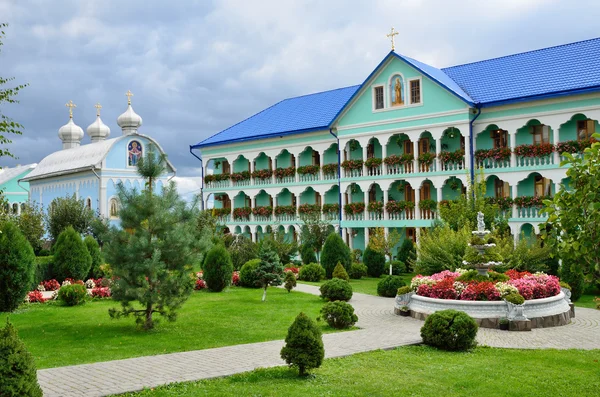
(380, 329)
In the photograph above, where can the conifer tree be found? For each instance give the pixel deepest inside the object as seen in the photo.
(270, 269)
(335, 251)
(303, 345)
(71, 257)
(290, 281)
(18, 377)
(153, 251)
(17, 267)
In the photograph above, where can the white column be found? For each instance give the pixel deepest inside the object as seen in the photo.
(366, 236)
(556, 138)
(383, 156)
(468, 152)
(418, 234)
(343, 205)
(366, 201)
(348, 232)
(556, 187)
(386, 194)
(439, 200)
(416, 154)
(417, 199)
(364, 157)
(438, 149)
(513, 189)
(513, 144)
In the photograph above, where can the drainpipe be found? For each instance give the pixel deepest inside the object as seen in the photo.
(471, 151)
(202, 178)
(339, 164)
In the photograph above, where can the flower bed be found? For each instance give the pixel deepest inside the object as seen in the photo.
(262, 211)
(537, 150)
(262, 174)
(50, 285)
(100, 292)
(242, 213)
(309, 209)
(331, 208)
(352, 164)
(330, 169)
(308, 170)
(35, 297)
(285, 210)
(354, 208)
(498, 154)
(444, 285)
(285, 172)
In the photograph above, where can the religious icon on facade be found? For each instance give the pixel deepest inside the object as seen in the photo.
(134, 153)
(113, 208)
(397, 91)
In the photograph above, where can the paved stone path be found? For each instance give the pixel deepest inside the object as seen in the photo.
(380, 329)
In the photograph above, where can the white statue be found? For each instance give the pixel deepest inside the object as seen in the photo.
(480, 222)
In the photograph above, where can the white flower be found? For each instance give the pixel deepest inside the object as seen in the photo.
(89, 284)
(66, 282)
(506, 288)
(41, 288)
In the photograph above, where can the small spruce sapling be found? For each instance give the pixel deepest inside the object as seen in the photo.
(270, 269)
(289, 281)
(303, 345)
(18, 376)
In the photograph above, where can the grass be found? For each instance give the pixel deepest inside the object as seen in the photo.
(366, 285)
(58, 335)
(416, 371)
(587, 301)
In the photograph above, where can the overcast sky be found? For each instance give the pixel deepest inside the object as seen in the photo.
(197, 67)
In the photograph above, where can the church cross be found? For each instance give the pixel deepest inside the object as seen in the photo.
(98, 107)
(128, 94)
(391, 36)
(70, 105)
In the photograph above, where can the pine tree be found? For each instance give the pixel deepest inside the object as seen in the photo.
(17, 267)
(18, 377)
(270, 269)
(335, 251)
(303, 345)
(153, 251)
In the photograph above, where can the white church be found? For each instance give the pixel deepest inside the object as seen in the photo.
(93, 170)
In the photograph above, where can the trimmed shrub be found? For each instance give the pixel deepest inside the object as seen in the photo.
(334, 251)
(357, 271)
(340, 272)
(94, 249)
(311, 272)
(289, 282)
(473, 275)
(336, 290)
(404, 290)
(218, 269)
(398, 267)
(515, 298)
(17, 368)
(388, 286)
(572, 274)
(303, 345)
(72, 295)
(43, 270)
(375, 262)
(449, 330)
(339, 315)
(307, 252)
(17, 267)
(71, 257)
(248, 275)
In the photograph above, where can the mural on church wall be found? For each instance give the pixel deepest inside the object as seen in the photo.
(397, 90)
(114, 208)
(134, 150)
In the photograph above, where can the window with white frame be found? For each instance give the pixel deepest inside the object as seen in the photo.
(378, 97)
(415, 91)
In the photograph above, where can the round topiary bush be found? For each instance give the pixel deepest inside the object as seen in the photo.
(248, 275)
(340, 272)
(17, 368)
(375, 262)
(311, 272)
(307, 252)
(515, 298)
(17, 267)
(449, 330)
(398, 267)
(94, 249)
(71, 257)
(388, 286)
(218, 268)
(303, 345)
(334, 251)
(357, 271)
(473, 275)
(339, 315)
(336, 290)
(289, 281)
(72, 295)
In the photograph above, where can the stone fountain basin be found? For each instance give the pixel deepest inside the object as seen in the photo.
(546, 312)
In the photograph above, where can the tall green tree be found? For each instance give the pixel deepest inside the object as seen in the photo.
(573, 221)
(31, 223)
(18, 377)
(385, 244)
(314, 232)
(7, 96)
(270, 269)
(17, 267)
(68, 211)
(335, 251)
(153, 251)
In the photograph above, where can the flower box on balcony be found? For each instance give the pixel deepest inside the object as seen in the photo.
(373, 162)
(395, 207)
(285, 172)
(452, 157)
(331, 208)
(219, 212)
(375, 206)
(309, 209)
(427, 204)
(330, 169)
(394, 159)
(262, 174)
(427, 158)
(216, 177)
(285, 210)
(354, 208)
(503, 203)
(308, 170)
(576, 146)
(538, 150)
(498, 154)
(240, 176)
(242, 213)
(264, 211)
(352, 164)
(530, 201)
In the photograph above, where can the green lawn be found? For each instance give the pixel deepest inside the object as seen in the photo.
(58, 335)
(587, 301)
(366, 285)
(417, 371)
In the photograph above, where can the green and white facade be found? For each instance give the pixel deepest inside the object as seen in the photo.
(435, 116)
(15, 193)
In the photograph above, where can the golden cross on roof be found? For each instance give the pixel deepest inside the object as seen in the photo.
(128, 94)
(391, 36)
(70, 105)
(98, 107)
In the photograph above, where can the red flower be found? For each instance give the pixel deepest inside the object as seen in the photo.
(101, 292)
(36, 297)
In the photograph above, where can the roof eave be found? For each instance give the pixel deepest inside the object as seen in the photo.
(540, 96)
(58, 173)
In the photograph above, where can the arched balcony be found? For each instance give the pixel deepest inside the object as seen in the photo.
(330, 163)
(219, 175)
(241, 172)
(354, 209)
(401, 201)
(374, 162)
(530, 193)
(221, 206)
(493, 148)
(452, 189)
(285, 208)
(285, 171)
(576, 135)
(353, 159)
(426, 152)
(427, 203)
(452, 150)
(309, 165)
(331, 205)
(375, 203)
(400, 155)
(534, 145)
(262, 210)
(310, 203)
(242, 207)
(262, 170)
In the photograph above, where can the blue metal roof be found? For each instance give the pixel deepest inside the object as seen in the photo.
(546, 72)
(291, 116)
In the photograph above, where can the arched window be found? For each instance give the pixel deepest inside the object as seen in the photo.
(397, 90)
(113, 208)
(15, 208)
(88, 203)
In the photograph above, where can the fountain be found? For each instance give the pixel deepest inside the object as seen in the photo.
(481, 246)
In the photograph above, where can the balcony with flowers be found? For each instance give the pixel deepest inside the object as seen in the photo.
(262, 213)
(493, 158)
(308, 173)
(428, 208)
(242, 214)
(353, 168)
(400, 210)
(399, 164)
(375, 210)
(534, 154)
(331, 211)
(355, 211)
(285, 175)
(330, 171)
(262, 177)
(285, 213)
(240, 178)
(373, 165)
(452, 161)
